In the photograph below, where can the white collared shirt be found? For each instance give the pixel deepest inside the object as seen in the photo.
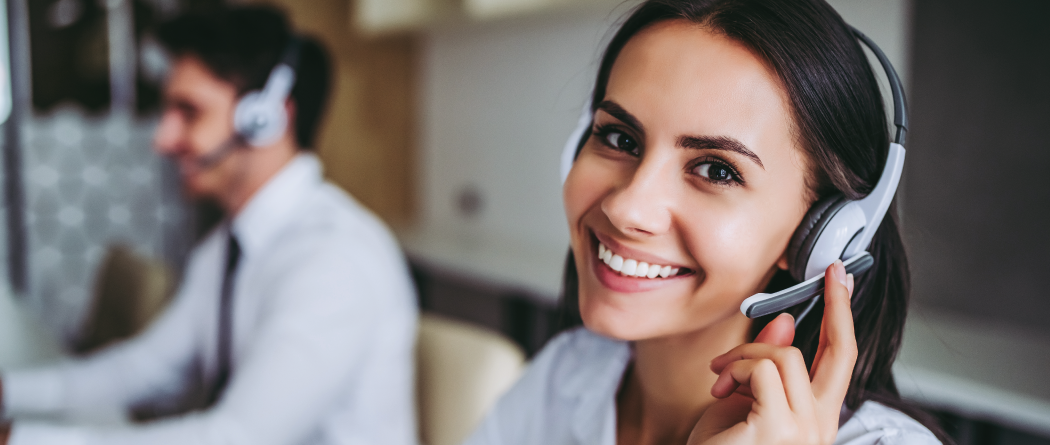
(568, 396)
(324, 321)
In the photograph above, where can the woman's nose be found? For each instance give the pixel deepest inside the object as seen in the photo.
(642, 205)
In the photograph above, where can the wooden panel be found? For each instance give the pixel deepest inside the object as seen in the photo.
(366, 140)
(379, 16)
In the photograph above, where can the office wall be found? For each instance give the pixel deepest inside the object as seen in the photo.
(366, 140)
(977, 206)
(498, 99)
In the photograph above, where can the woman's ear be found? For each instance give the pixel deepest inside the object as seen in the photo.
(782, 262)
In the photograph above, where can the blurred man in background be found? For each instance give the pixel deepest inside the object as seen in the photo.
(295, 321)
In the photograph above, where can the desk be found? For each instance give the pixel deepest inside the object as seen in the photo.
(23, 341)
(981, 370)
(534, 270)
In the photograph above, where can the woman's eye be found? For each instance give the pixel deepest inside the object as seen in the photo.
(714, 172)
(621, 141)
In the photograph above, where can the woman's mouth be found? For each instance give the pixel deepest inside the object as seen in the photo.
(629, 267)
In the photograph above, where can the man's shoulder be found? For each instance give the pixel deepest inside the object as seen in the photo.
(331, 237)
(331, 208)
(330, 220)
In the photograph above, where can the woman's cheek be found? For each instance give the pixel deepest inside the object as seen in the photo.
(574, 195)
(582, 187)
(732, 254)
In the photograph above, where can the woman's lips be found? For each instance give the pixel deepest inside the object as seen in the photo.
(630, 275)
(630, 267)
(628, 252)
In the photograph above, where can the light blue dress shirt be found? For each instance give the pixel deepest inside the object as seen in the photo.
(324, 322)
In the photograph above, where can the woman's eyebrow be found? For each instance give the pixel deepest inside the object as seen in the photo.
(615, 110)
(718, 143)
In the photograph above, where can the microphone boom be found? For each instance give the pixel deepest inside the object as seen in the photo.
(759, 305)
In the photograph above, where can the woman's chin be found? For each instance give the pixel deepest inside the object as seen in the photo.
(650, 319)
(621, 324)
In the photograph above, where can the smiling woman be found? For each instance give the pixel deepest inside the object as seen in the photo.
(717, 124)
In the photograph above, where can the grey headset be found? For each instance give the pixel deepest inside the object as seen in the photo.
(833, 228)
(260, 117)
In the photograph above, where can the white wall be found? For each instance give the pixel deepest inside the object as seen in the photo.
(887, 22)
(498, 100)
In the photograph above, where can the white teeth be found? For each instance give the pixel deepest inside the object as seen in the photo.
(643, 270)
(629, 267)
(634, 268)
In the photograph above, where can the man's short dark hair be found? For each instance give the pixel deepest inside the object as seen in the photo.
(242, 45)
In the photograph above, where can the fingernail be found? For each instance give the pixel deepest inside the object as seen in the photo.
(849, 284)
(840, 272)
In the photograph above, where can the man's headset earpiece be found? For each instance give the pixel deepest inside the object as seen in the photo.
(260, 117)
(834, 228)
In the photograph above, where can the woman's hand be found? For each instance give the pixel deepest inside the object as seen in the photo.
(768, 396)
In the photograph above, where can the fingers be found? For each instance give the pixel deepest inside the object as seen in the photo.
(780, 331)
(761, 375)
(837, 349)
(790, 366)
(774, 373)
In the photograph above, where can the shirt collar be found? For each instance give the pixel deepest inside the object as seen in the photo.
(271, 207)
(594, 387)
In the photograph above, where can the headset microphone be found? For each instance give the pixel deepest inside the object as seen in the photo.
(260, 117)
(219, 153)
(834, 228)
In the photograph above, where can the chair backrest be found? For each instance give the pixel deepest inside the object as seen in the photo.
(461, 371)
(130, 290)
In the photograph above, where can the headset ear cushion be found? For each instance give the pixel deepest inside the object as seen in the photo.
(807, 233)
(258, 120)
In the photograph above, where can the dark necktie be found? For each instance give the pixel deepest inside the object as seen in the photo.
(222, 376)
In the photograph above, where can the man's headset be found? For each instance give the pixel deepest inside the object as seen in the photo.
(260, 117)
(834, 228)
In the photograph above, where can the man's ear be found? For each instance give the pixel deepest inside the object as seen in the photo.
(289, 109)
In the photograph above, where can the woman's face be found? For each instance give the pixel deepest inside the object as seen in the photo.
(692, 164)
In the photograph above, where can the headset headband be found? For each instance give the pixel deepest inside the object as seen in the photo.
(900, 111)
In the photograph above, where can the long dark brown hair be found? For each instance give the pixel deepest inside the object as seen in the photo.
(841, 124)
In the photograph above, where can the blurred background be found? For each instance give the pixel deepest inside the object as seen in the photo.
(447, 120)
